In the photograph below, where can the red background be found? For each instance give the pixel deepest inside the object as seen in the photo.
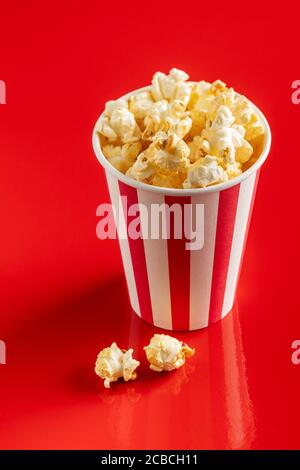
(63, 295)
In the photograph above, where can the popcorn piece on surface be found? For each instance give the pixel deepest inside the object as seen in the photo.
(113, 363)
(204, 172)
(166, 353)
(180, 134)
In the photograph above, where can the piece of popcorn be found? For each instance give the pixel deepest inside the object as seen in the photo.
(164, 117)
(155, 120)
(170, 180)
(199, 147)
(166, 353)
(198, 122)
(166, 154)
(141, 104)
(204, 95)
(123, 123)
(104, 128)
(113, 363)
(119, 124)
(222, 138)
(204, 172)
(254, 130)
(113, 105)
(199, 89)
(171, 87)
(245, 116)
(122, 157)
(142, 169)
(218, 87)
(233, 170)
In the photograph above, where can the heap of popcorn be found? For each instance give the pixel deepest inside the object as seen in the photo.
(181, 134)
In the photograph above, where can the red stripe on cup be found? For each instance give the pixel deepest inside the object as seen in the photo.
(137, 256)
(179, 270)
(247, 229)
(225, 226)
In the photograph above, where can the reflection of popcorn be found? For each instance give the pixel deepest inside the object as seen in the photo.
(167, 353)
(113, 363)
(162, 136)
(204, 172)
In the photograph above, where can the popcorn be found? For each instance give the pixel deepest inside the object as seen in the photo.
(112, 106)
(233, 170)
(171, 87)
(113, 363)
(172, 180)
(164, 116)
(141, 104)
(180, 134)
(222, 138)
(119, 124)
(165, 155)
(166, 353)
(122, 157)
(142, 169)
(204, 172)
(199, 147)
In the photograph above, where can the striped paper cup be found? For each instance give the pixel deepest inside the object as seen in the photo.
(170, 286)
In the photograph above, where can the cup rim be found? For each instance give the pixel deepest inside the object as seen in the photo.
(177, 191)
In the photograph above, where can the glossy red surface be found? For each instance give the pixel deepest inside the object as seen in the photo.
(63, 296)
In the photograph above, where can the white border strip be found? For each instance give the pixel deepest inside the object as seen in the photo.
(240, 226)
(156, 255)
(114, 192)
(202, 262)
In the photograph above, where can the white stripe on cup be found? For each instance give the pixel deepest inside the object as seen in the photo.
(156, 254)
(124, 246)
(241, 220)
(201, 268)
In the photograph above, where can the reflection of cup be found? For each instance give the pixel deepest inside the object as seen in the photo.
(203, 405)
(233, 423)
(170, 286)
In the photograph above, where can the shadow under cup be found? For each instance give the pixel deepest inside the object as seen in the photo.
(171, 285)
